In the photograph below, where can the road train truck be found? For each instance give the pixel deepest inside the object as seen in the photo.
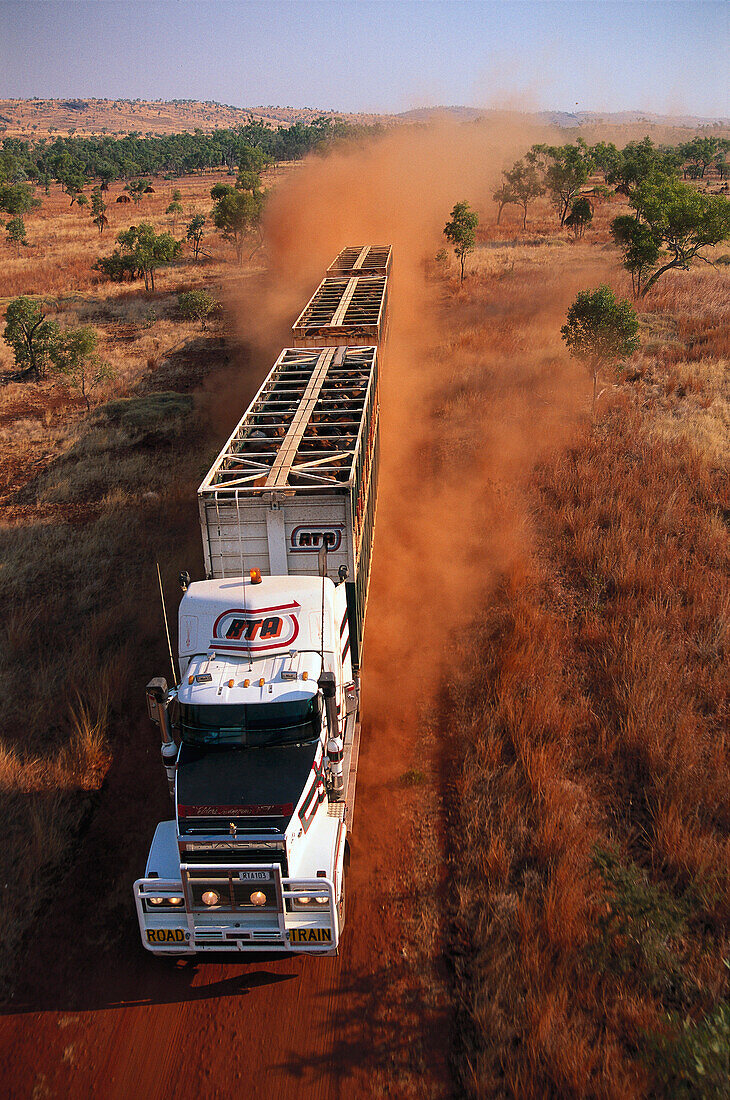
(260, 736)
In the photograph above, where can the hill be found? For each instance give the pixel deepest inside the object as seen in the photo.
(40, 117)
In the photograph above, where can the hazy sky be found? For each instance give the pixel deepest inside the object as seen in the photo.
(668, 56)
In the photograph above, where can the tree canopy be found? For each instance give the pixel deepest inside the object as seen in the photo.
(237, 214)
(82, 160)
(600, 329)
(522, 183)
(31, 335)
(566, 169)
(142, 251)
(74, 357)
(673, 223)
(461, 231)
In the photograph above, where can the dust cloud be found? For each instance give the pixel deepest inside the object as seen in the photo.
(474, 385)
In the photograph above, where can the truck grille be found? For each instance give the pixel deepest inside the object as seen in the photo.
(227, 856)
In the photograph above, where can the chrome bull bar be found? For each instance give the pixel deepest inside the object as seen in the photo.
(275, 920)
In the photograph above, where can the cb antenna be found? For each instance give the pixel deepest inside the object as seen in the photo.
(322, 562)
(167, 628)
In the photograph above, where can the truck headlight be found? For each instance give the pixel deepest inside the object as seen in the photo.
(156, 901)
(303, 901)
(175, 901)
(322, 900)
(258, 898)
(210, 897)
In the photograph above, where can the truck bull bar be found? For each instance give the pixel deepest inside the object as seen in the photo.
(282, 922)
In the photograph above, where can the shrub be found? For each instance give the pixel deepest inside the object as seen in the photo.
(197, 305)
(155, 417)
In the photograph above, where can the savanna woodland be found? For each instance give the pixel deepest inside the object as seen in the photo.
(562, 896)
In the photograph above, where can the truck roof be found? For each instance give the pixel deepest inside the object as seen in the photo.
(304, 428)
(238, 620)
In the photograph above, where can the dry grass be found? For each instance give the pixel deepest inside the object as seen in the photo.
(587, 775)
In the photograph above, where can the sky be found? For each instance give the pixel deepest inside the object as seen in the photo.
(663, 56)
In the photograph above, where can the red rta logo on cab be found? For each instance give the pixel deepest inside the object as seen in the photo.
(250, 628)
(243, 629)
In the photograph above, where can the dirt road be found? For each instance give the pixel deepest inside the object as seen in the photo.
(95, 1020)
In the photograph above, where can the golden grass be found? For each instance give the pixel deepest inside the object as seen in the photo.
(591, 711)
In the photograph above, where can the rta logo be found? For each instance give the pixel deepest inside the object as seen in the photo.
(310, 539)
(256, 630)
(251, 628)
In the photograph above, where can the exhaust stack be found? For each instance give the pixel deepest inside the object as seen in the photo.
(335, 748)
(157, 703)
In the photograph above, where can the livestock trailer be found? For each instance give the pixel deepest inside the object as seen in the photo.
(344, 311)
(300, 471)
(369, 259)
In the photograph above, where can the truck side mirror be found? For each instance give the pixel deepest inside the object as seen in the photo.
(351, 697)
(156, 694)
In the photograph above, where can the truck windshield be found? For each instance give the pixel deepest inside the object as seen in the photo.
(251, 724)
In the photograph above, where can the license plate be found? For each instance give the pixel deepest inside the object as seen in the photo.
(167, 935)
(310, 935)
(254, 876)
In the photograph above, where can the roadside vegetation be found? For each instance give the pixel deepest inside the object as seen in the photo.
(586, 912)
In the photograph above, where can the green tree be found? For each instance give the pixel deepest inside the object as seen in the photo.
(98, 210)
(580, 216)
(252, 158)
(639, 161)
(74, 357)
(17, 199)
(237, 215)
(141, 252)
(175, 208)
(640, 248)
(600, 330)
(194, 233)
(197, 305)
(137, 189)
(722, 167)
(31, 335)
(15, 230)
(522, 183)
(72, 183)
(503, 196)
(461, 232)
(219, 190)
(681, 221)
(566, 169)
(699, 153)
(82, 201)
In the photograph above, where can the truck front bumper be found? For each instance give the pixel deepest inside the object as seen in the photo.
(189, 928)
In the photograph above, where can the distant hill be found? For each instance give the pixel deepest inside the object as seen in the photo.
(41, 117)
(36, 118)
(567, 120)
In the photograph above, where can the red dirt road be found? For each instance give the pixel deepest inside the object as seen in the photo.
(116, 1022)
